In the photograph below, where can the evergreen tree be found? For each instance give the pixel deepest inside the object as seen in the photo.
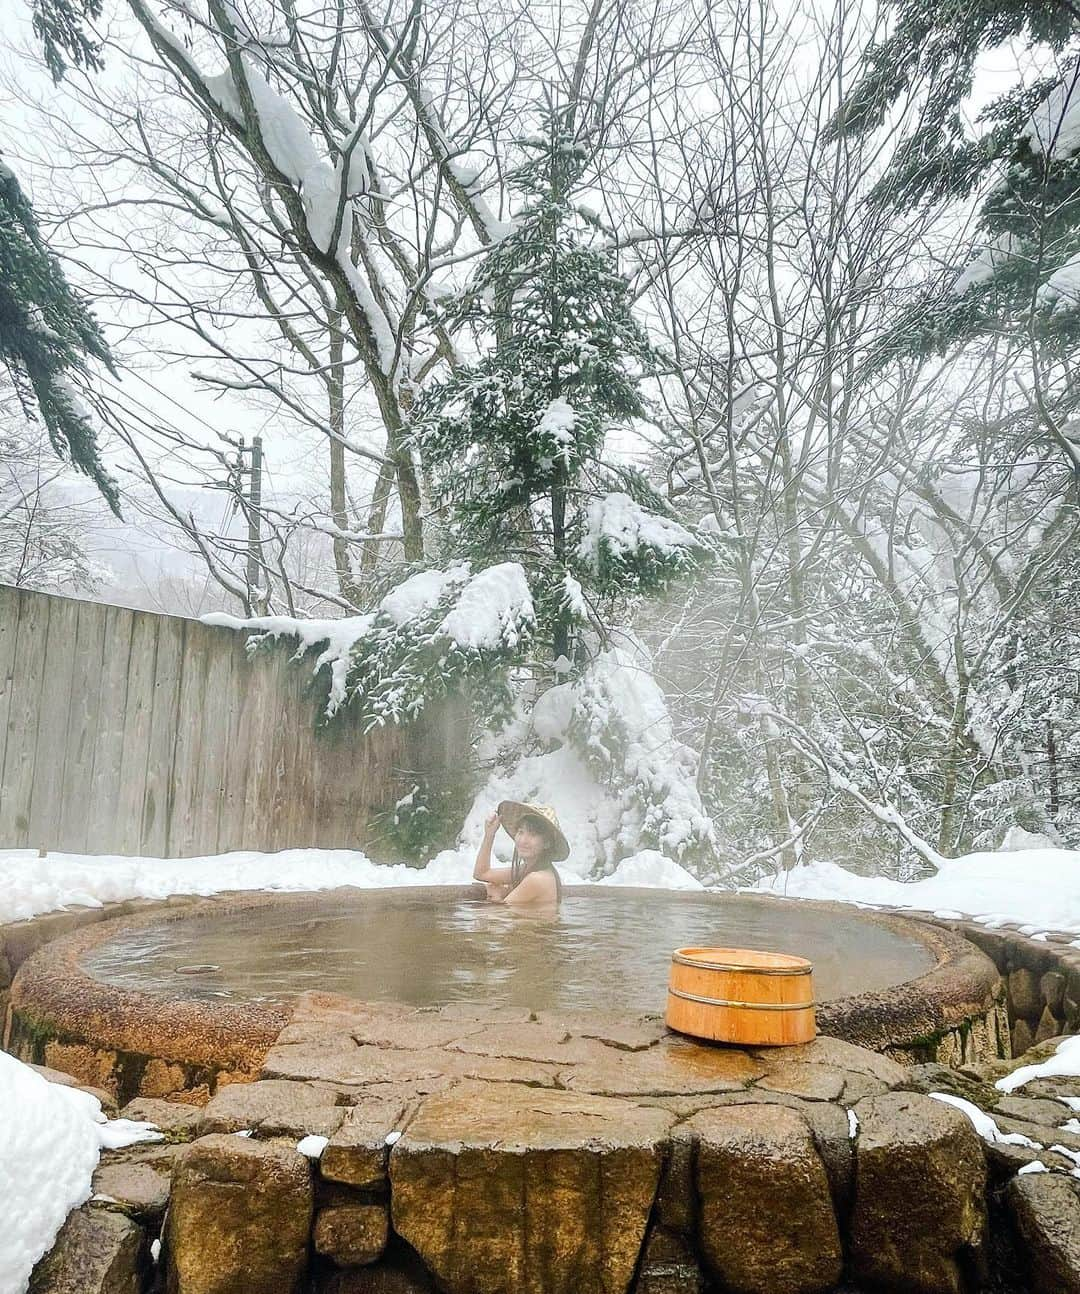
(514, 442)
(1023, 282)
(58, 24)
(46, 335)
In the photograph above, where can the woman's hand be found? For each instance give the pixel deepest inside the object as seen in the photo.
(491, 824)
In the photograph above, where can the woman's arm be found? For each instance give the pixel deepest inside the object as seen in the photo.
(483, 870)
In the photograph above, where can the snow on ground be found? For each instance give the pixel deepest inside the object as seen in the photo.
(30, 885)
(49, 1147)
(1038, 889)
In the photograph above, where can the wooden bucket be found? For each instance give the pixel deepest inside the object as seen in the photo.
(740, 996)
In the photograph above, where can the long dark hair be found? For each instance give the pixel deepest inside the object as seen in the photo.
(519, 869)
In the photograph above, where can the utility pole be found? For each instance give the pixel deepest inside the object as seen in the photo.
(251, 502)
(255, 574)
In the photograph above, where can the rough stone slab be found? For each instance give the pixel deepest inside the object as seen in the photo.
(1049, 1113)
(273, 1108)
(550, 1044)
(501, 1187)
(1046, 1211)
(839, 1054)
(812, 1082)
(239, 1218)
(1053, 1088)
(971, 1085)
(178, 1121)
(623, 1032)
(138, 1190)
(1038, 1131)
(766, 1218)
(1025, 997)
(96, 1252)
(1023, 1037)
(353, 1234)
(348, 1064)
(674, 1067)
(1005, 1161)
(417, 1032)
(919, 1214)
(357, 1153)
(89, 1066)
(396, 1273)
(1052, 989)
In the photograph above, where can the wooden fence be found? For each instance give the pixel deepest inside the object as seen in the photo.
(128, 732)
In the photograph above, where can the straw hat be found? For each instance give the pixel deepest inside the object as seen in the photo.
(512, 811)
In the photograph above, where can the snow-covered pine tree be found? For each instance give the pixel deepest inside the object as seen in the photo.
(514, 442)
(46, 335)
(1022, 282)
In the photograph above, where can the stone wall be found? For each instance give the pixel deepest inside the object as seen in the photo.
(766, 1178)
(1041, 978)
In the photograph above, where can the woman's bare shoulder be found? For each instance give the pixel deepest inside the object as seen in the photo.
(537, 887)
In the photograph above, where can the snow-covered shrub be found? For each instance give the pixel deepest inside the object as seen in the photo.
(439, 633)
(621, 726)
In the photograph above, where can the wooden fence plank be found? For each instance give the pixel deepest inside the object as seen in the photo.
(82, 726)
(266, 704)
(185, 818)
(102, 835)
(158, 786)
(214, 746)
(47, 798)
(10, 605)
(242, 718)
(137, 714)
(20, 751)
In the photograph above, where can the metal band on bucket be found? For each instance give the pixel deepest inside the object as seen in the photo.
(805, 969)
(742, 1006)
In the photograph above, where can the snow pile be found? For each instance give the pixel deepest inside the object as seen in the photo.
(30, 885)
(1062, 288)
(621, 782)
(1035, 888)
(48, 1154)
(557, 424)
(416, 596)
(1065, 1062)
(653, 871)
(587, 813)
(618, 529)
(622, 726)
(492, 609)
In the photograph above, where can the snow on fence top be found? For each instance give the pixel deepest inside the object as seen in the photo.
(488, 612)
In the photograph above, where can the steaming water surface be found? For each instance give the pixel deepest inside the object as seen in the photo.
(604, 949)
